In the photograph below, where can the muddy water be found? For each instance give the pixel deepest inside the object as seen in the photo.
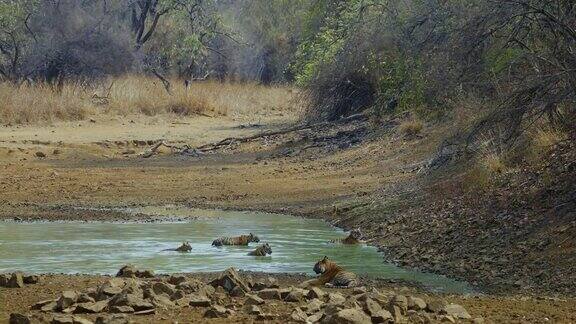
(101, 248)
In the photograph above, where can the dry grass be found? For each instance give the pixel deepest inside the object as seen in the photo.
(411, 127)
(136, 95)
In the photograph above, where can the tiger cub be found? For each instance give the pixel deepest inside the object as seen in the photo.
(262, 250)
(352, 238)
(332, 275)
(238, 240)
(185, 247)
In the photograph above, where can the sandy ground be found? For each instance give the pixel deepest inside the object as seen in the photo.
(97, 164)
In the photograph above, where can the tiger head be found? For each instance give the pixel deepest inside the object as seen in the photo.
(266, 248)
(323, 265)
(356, 234)
(185, 246)
(253, 238)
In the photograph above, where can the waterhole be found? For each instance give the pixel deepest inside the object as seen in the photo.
(102, 247)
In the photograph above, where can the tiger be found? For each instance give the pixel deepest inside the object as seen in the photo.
(238, 240)
(185, 247)
(262, 250)
(331, 275)
(352, 238)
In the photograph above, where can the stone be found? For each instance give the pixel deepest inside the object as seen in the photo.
(206, 290)
(383, 316)
(163, 288)
(315, 292)
(237, 292)
(230, 279)
(62, 319)
(111, 291)
(199, 301)
(176, 280)
(16, 318)
(49, 307)
(67, 299)
(96, 307)
(127, 271)
(416, 303)
(41, 303)
(269, 293)
(266, 317)
(178, 294)
(359, 290)
(478, 320)
(400, 301)
(396, 312)
(4, 277)
(216, 311)
(163, 301)
(259, 285)
(148, 273)
(456, 311)
(314, 305)
(40, 154)
(272, 282)
(252, 310)
(31, 279)
(436, 306)
(121, 309)
(131, 300)
(372, 307)
(294, 296)
(253, 300)
(298, 315)
(447, 319)
(351, 316)
(315, 318)
(16, 281)
(85, 298)
(336, 298)
(80, 320)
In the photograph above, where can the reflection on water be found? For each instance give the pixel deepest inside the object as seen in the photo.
(297, 243)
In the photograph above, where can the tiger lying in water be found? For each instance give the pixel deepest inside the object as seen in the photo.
(331, 275)
(185, 247)
(262, 250)
(352, 238)
(238, 240)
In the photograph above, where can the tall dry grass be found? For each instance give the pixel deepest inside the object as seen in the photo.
(40, 103)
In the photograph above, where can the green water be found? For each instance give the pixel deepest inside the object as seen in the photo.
(101, 248)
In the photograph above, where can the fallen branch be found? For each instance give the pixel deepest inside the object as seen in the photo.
(181, 150)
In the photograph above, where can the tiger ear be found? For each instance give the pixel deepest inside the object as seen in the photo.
(325, 258)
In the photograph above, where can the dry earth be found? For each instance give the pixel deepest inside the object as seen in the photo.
(324, 171)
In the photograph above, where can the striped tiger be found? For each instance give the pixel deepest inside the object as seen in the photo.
(238, 240)
(185, 247)
(352, 238)
(262, 250)
(332, 275)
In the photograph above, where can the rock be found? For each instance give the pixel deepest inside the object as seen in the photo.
(269, 293)
(294, 296)
(266, 317)
(253, 300)
(383, 316)
(31, 279)
(298, 315)
(216, 311)
(67, 299)
(396, 312)
(315, 292)
(271, 282)
(131, 300)
(56, 152)
(148, 273)
(110, 291)
(96, 307)
(40, 154)
(237, 292)
(400, 301)
(259, 285)
(416, 303)
(314, 305)
(127, 271)
(371, 307)
(315, 318)
(85, 298)
(336, 298)
(16, 318)
(163, 301)
(113, 319)
(121, 309)
(206, 290)
(81, 320)
(41, 303)
(176, 280)
(199, 301)
(49, 307)
(456, 311)
(359, 290)
(436, 306)
(447, 319)
(163, 288)
(178, 294)
(4, 278)
(61, 319)
(478, 320)
(252, 310)
(351, 316)
(16, 281)
(230, 279)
